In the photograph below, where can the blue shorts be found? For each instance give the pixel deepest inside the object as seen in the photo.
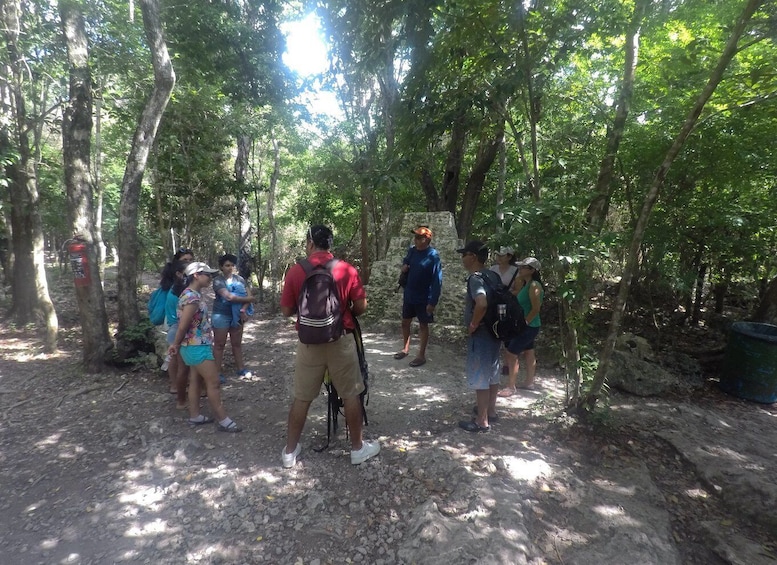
(171, 331)
(523, 342)
(483, 360)
(221, 321)
(195, 354)
(417, 311)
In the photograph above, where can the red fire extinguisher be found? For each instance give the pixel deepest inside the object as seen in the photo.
(79, 262)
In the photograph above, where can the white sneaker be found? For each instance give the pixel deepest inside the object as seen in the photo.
(290, 459)
(369, 449)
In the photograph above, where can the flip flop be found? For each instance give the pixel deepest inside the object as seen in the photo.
(506, 392)
(417, 362)
(400, 355)
(473, 427)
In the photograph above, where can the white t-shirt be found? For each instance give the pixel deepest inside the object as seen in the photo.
(507, 275)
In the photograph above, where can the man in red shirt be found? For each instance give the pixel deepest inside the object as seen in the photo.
(338, 357)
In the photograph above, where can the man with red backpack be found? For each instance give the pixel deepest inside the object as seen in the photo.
(319, 290)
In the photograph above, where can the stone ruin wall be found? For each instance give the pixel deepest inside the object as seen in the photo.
(385, 301)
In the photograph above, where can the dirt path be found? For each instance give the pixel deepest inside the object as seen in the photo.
(103, 469)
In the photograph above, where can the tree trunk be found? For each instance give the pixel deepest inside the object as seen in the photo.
(276, 271)
(164, 80)
(588, 401)
(76, 152)
(767, 309)
(430, 189)
(29, 286)
(245, 260)
(575, 308)
(98, 190)
(452, 174)
(533, 102)
(487, 153)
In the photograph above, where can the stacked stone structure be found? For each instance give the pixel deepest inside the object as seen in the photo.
(384, 297)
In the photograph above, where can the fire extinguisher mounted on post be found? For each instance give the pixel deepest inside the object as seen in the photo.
(79, 261)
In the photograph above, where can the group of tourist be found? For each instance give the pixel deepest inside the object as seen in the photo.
(423, 284)
(197, 340)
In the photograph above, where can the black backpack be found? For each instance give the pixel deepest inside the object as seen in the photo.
(318, 305)
(504, 317)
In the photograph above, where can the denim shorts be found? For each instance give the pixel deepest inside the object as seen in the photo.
(482, 360)
(171, 331)
(195, 354)
(523, 342)
(221, 321)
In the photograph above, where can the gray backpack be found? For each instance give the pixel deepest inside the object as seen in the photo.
(318, 305)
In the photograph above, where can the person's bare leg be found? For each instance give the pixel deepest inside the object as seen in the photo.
(194, 393)
(510, 359)
(493, 391)
(236, 340)
(219, 343)
(182, 381)
(423, 337)
(406, 335)
(531, 368)
(210, 375)
(298, 414)
(355, 420)
(172, 373)
(483, 398)
(512, 380)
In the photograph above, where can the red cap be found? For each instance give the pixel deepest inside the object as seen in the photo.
(424, 231)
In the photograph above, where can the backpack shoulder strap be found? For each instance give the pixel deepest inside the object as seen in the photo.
(306, 265)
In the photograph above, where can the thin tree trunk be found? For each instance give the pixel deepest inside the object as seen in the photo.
(486, 156)
(500, 188)
(576, 308)
(245, 258)
(164, 80)
(276, 271)
(588, 401)
(452, 174)
(29, 286)
(76, 152)
(533, 103)
(767, 309)
(98, 189)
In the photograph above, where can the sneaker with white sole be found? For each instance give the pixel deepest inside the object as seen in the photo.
(290, 459)
(369, 449)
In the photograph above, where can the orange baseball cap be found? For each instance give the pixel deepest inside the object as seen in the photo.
(424, 231)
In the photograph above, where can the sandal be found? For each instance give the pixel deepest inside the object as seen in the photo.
(473, 427)
(400, 355)
(232, 428)
(506, 392)
(417, 362)
(205, 420)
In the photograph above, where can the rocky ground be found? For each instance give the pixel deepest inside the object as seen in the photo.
(103, 469)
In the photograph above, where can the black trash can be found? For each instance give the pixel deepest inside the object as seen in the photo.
(750, 366)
